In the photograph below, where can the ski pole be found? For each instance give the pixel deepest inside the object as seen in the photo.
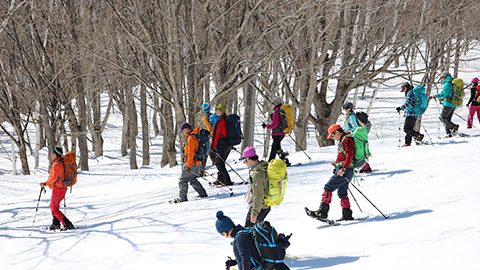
(36, 209)
(426, 132)
(224, 161)
(399, 130)
(300, 147)
(230, 190)
(368, 199)
(355, 200)
(463, 118)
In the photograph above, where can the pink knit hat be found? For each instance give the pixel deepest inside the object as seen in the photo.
(475, 80)
(248, 152)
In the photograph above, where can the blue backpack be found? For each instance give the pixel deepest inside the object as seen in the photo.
(203, 137)
(421, 100)
(234, 129)
(270, 245)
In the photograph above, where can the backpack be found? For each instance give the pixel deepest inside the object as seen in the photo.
(70, 169)
(277, 182)
(362, 151)
(458, 93)
(477, 94)
(203, 137)
(288, 118)
(234, 129)
(421, 100)
(362, 118)
(270, 245)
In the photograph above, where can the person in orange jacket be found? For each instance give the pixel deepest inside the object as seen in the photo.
(192, 166)
(55, 183)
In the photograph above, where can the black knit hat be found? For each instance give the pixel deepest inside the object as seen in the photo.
(58, 151)
(185, 125)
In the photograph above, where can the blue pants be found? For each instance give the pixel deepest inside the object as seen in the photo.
(340, 183)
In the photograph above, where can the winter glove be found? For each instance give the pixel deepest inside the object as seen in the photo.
(187, 168)
(398, 109)
(229, 263)
(264, 125)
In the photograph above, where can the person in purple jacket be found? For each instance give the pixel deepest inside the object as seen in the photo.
(277, 124)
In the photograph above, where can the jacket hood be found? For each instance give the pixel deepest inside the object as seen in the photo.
(448, 79)
(262, 166)
(419, 89)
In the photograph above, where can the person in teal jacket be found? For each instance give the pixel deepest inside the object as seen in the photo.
(448, 107)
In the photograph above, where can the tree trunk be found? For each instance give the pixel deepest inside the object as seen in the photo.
(155, 119)
(168, 126)
(132, 126)
(144, 119)
(249, 115)
(96, 128)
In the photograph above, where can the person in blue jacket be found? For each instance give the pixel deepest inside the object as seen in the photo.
(448, 107)
(246, 253)
(410, 115)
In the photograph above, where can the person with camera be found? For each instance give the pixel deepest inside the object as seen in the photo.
(255, 197)
(247, 255)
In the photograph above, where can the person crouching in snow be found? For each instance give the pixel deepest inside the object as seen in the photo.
(246, 253)
(192, 166)
(343, 174)
(55, 183)
(258, 191)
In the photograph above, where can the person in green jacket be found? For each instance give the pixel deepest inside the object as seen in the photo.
(255, 197)
(448, 107)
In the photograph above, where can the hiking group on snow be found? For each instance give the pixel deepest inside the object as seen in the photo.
(257, 245)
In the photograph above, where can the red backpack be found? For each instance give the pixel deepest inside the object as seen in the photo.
(70, 169)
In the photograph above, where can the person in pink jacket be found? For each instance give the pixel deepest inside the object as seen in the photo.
(474, 102)
(277, 124)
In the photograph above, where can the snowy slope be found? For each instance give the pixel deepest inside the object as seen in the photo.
(431, 194)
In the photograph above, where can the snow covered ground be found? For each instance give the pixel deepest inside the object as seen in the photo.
(431, 194)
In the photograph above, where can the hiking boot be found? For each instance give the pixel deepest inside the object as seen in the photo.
(202, 196)
(323, 210)
(406, 145)
(366, 169)
(218, 183)
(55, 224)
(454, 130)
(178, 200)
(347, 214)
(68, 224)
(419, 137)
(288, 162)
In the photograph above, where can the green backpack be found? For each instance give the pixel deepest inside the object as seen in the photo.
(277, 182)
(362, 152)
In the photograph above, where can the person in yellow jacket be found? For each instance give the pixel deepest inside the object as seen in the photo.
(192, 167)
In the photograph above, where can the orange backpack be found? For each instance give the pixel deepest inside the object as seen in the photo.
(70, 169)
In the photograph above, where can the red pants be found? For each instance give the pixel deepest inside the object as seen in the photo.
(473, 110)
(57, 196)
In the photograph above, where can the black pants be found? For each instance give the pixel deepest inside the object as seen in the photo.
(223, 150)
(276, 145)
(408, 128)
(261, 216)
(446, 118)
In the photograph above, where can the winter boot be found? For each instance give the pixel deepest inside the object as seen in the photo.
(419, 137)
(454, 130)
(366, 168)
(323, 210)
(55, 224)
(406, 145)
(347, 214)
(68, 224)
(288, 162)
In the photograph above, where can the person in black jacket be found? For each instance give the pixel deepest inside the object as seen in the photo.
(246, 253)
(473, 103)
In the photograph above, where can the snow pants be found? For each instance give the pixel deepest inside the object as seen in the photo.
(190, 177)
(223, 150)
(473, 109)
(446, 118)
(408, 128)
(276, 145)
(339, 183)
(58, 194)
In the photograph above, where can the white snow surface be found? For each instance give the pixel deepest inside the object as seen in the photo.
(431, 194)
